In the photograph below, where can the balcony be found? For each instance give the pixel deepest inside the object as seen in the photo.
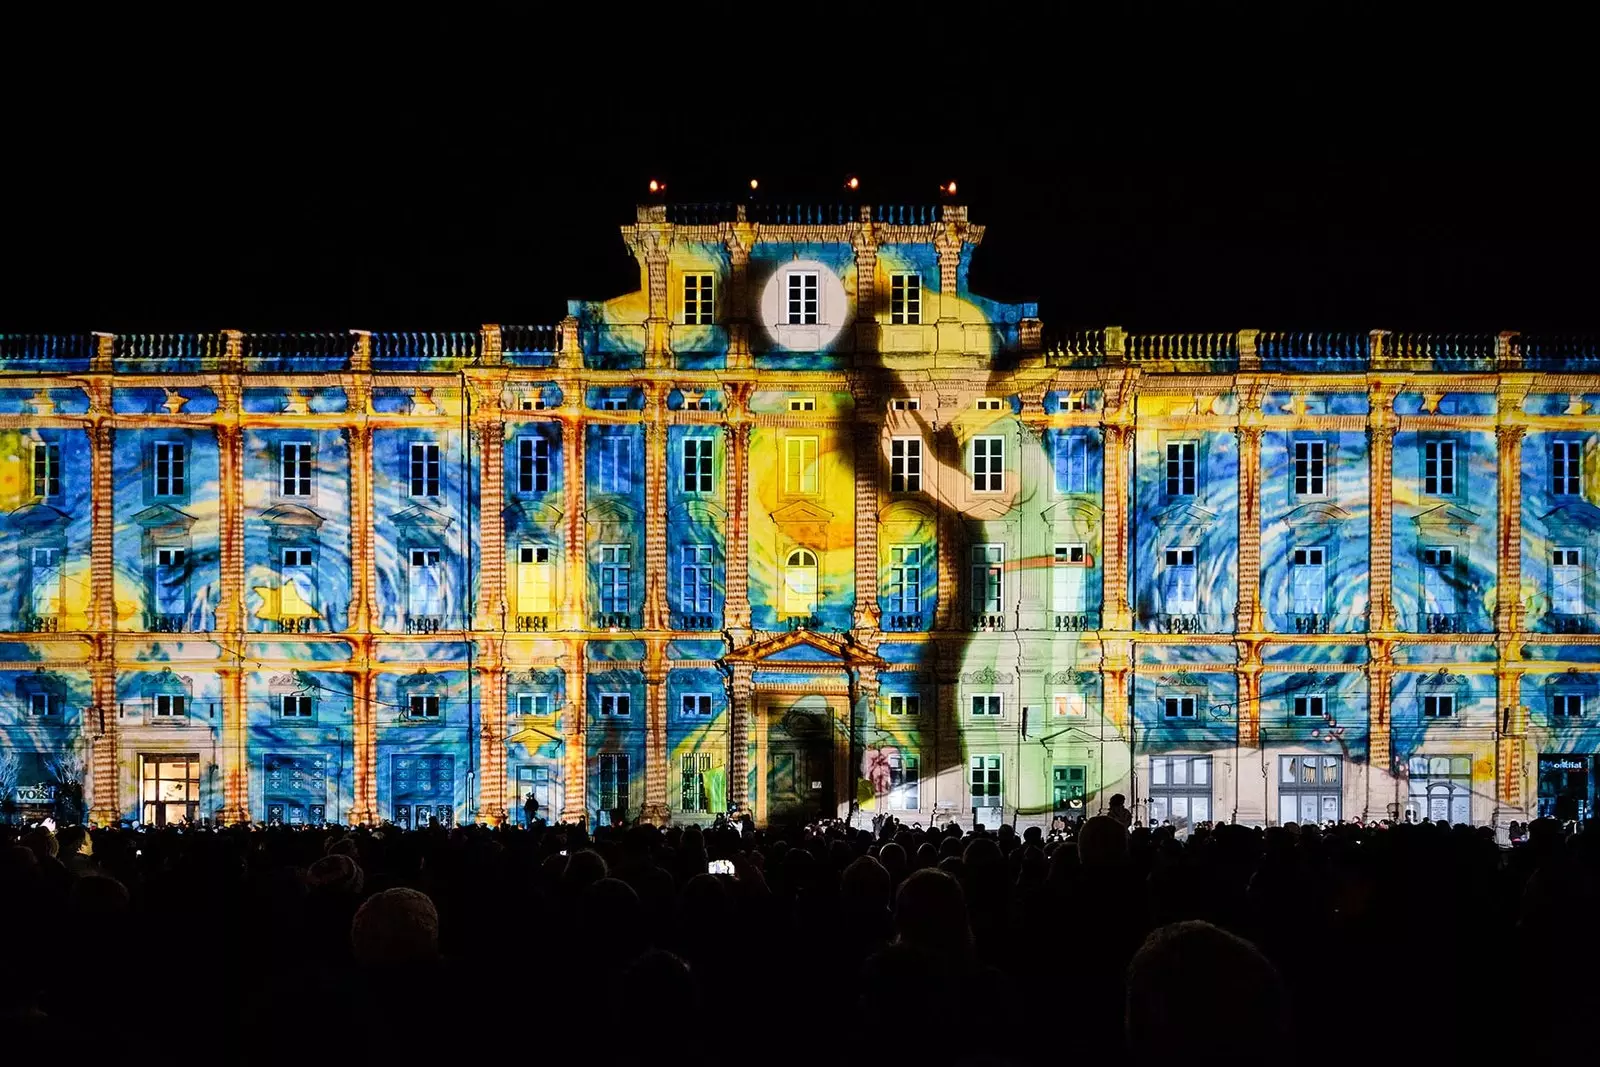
(616, 621)
(305, 624)
(424, 624)
(1169, 623)
(987, 623)
(534, 624)
(38, 624)
(1310, 624)
(903, 623)
(165, 622)
(694, 622)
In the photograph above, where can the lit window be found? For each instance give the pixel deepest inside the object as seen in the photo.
(1438, 581)
(988, 464)
(905, 773)
(1181, 589)
(905, 704)
(1308, 581)
(903, 590)
(905, 299)
(1309, 706)
(696, 705)
(1071, 705)
(425, 596)
(802, 403)
(534, 578)
(424, 469)
(1177, 707)
(802, 309)
(1566, 468)
(698, 306)
(1439, 468)
(295, 468)
(905, 465)
(295, 706)
(1067, 578)
(800, 583)
(1310, 468)
(47, 587)
(988, 584)
(533, 465)
(696, 766)
(800, 465)
(1566, 581)
(986, 705)
(614, 705)
(697, 464)
(46, 471)
(1181, 468)
(1438, 707)
(985, 781)
(170, 475)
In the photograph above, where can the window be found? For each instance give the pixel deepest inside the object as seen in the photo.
(905, 299)
(294, 474)
(905, 465)
(695, 769)
(1072, 464)
(1068, 785)
(537, 704)
(800, 465)
(905, 775)
(1439, 788)
(988, 566)
(697, 403)
(423, 706)
(616, 568)
(534, 575)
(46, 471)
(1310, 468)
(169, 468)
(905, 403)
(988, 464)
(904, 588)
(1309, 706)
(169, 706)
(697, 464)
(1308, 581)
(294, 706)
(1181, 467)
(1180, 790)
(696, 575)
(802, 298)
(1181, 707)
(1438, 589)
(172, 594)
(1566, 581)
(613, 403)
(424, 469)
(985, 778)
(533, 403)
(425, 596)
(1310, 789)
(1067, 593)
(615, 464)
(802, 403)
(1566, 468)
(44, 705)
(1181, 591)
(533, 465)
(46, 582)
(800, 583)
(696, 705)
(699, 309)
(905, 704)
(988, 403)
(169, 788)
(535, 782)
(1070, 705)
(613, 782)
(1440, 706)
(986, 705)
(297, 587)
(1439, 468)
(614, 705)
(1562, 705)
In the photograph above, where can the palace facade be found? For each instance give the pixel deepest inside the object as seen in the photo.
(801, 526)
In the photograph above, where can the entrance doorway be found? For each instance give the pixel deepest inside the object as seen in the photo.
(800, 762)
(1069, 782)
(169, 788)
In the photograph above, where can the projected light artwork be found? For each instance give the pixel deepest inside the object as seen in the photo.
(801, 527)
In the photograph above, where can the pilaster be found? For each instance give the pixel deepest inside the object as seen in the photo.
(655, 809)
(1248, 618)
(736, 574)
(364, 745)
(655, 511)
(235, 755)
(1249, 683)
(865, 243)
(1380, 750)
(1116, 615)
(105, 807)
(1508, 608)
(492, 737)
(1381, 426)
(650, 240)
(363, 585)
(738, 237)
(741, 677)
(575, 568)
(575, 721)
(868, 434)
(490, 608)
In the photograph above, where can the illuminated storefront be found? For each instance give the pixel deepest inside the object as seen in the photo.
(801, 526)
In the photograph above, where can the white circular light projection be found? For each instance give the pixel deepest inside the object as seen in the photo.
(804, 305)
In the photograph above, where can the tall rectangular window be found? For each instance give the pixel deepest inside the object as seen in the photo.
(697, 464)
(534, 574)
(1566, 581)
(1308, 581)
(424, 469)
(905, 465)
(905, 704)
(905, 776)
(1309, 706)
(988, 464)
(46, 581)
(696, 766)
(1178, 707)
(615, 463)
(295, 468)
(1439, 468)
(905, 299)
(696, 705)
(1181, 591)
(1567, 705)
(1067, 578)
(614, 705)
(172, 588)
(1310, 468)
(802, 310)
(1180, 790)
(1181, 467)
(695, 574)
(988, 567)
(1566, 468)
(425, 597)
(1438, 581)
(533, 465)
(904, 589)
(1072, 464)
(616, 566)
(984, 775)
(1442, 706)
(699, 308)
(613, 781)
(170, 468)
(46, 471)
(800, 465)
(297, 587)
(986, 705)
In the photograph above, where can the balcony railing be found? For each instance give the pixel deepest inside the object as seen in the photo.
(166, 622)
(1178, 623)
(1310, 623)
(424, 624)
(615, 620)
(308, 624)
(903, 622)
(1443, 624)
(38, 624)
(534, 624)
(985, 623)
(694, 622)
(1073, 622)
(1572, 624)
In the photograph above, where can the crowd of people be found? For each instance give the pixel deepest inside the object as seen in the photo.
(823, 944)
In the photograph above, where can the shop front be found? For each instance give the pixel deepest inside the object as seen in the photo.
(1566, 787)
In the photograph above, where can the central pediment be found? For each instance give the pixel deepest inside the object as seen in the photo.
(805, 646)
(802, 511)
(163, 516)
(1448, 517)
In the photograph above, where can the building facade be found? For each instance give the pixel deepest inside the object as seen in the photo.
(802, 526)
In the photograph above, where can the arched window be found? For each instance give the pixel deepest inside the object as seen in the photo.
(800, 582)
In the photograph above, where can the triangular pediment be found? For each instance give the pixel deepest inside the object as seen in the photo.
(1447, 516)
(1185, 514)
(423, 518)
(1580, 516)
(611, 511)
(291, 515)
(34, 517)
(804, 646)
(519, 516)
(802, 511)
(990, 508)
(163, 516)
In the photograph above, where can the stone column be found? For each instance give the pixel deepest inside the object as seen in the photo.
(363, 586)
(1380, 751)
(650, 240)
(945, 464)
(491, 603)
(575, 722)
(575, 559)
(1511, 738)
(655, 810)
(364, 746)
(102, 615)
(1116, 615)
(1508, 609)
(235, 748)
(1249, 696)
(868, 433)
(866, 248)
(655, 513)
(739, 698)
(1381, 425)
(1248, 615)
(738, 238)
(736, 606)
(492, 741)
(947, 748)
(103, 731)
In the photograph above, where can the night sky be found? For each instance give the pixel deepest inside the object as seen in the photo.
(439, 174)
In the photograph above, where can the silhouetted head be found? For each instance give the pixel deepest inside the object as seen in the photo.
(1102, 842)
(75, 839)
(397, 926)
(930, 913)
(865, 883)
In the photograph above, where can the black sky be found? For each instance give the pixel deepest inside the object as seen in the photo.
(301, 170)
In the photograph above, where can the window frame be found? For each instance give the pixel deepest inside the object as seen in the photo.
(1170, 604)
(616, 574)
(800, 475)
(1309, 705)
(533, 464)
(176, 706)
(904, 705)
(905, 298)
(424, 707)
(905, 464)
(992, 459)
(699, 298)
(1071, 704)
(1440, 707)
(302, 702)
(425, 470)
(46, 481)
(1174, 705)
(699, 701)
(696, 593)
(1309, 474)
(1445, 479)
(1566, 468)
(993, 706)
(986, 574)
(903, 576)
(614, 464)
(533, 699)
(1562, 703)
(297, 477)
(991, 765)
(1062, 567)
(699, 458)
(1567, 603)
(620, 705)
(1071, 464)
(802, 302)
(44, 705)
(792, 566)
(905, 781)
(176, 475)
(1180, 483)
